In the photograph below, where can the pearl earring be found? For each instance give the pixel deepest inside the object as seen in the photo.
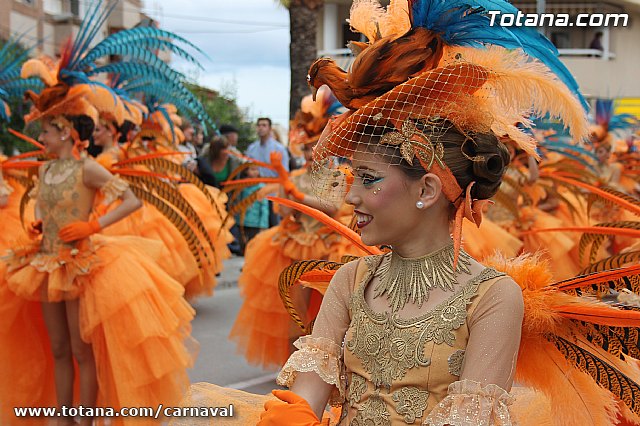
(375, 191)
(420, 204)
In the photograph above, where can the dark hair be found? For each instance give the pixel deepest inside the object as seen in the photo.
(225, 129)
(478, 157)
(84, 125)
(268, 120)
(217, 145)
(124, 130)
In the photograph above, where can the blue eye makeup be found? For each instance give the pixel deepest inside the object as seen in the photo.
(368, 180)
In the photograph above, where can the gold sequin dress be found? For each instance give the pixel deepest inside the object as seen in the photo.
(451, 363)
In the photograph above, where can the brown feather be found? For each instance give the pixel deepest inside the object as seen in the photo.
(290, 276)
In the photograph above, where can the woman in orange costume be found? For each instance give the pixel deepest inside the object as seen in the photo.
(425, 334)
(146, 222)
(86, 318)
(103, 302)
(157, 135)
(263, 329)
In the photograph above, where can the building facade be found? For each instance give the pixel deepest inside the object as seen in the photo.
(608, 73)
(52, 21)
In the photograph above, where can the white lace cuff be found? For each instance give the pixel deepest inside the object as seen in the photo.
(320, 355)
(468, 403)
(114, 189)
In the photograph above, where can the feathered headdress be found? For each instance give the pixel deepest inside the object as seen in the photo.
(312, 117)
(12, 56)
(72, 87)
(161, 126)
(607, 122)
(435, 64)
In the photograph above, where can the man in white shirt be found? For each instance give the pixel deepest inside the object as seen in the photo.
(261, 150)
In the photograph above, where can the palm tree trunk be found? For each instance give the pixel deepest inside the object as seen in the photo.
(303, 18)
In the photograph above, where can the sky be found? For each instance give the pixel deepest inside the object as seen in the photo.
(247, 42)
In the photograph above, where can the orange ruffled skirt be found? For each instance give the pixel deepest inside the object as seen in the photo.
(11, 227)
(131, 312)
(263, 329)
(177, 259)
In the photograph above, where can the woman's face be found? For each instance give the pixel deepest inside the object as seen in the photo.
(384, 199)
(55, 141)
(102, 136)
(603, 154)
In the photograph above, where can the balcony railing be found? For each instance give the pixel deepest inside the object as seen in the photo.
(344, 57)
(586, 53)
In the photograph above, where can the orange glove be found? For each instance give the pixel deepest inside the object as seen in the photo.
(276, 162)
(289, 187)
(295, 411)
(79, 230)
(35, 228)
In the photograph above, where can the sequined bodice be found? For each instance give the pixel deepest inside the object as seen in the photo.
(399, 369)
(62, 199)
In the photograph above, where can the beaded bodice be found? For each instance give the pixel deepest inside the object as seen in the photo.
(62, 198)
(397, 369)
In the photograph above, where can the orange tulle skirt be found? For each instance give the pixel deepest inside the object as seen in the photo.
(10, 226)
(177, 259)
(263, 329)
(130, 310)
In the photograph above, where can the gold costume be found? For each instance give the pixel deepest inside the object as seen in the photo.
(422, 369)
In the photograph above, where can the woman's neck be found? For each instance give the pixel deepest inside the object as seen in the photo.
(108, 145)
(421, 243)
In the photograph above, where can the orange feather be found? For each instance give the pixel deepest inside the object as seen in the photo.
(596, 278)
(623, 203)
(26, 138)
(147, 157)
(134, 172)
(26, 155)
(21, 164)
(606, 230)
(330, 222)
(599, 313)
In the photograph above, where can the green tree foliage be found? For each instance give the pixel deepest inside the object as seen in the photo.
(223, 109)
(9, 144)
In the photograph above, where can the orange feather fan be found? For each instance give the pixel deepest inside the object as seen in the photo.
(556, 357)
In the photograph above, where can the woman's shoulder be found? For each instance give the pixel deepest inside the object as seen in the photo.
(498, 291)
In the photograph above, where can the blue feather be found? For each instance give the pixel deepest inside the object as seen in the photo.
(462, 23)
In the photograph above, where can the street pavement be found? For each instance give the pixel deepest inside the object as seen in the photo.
(218, 362)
